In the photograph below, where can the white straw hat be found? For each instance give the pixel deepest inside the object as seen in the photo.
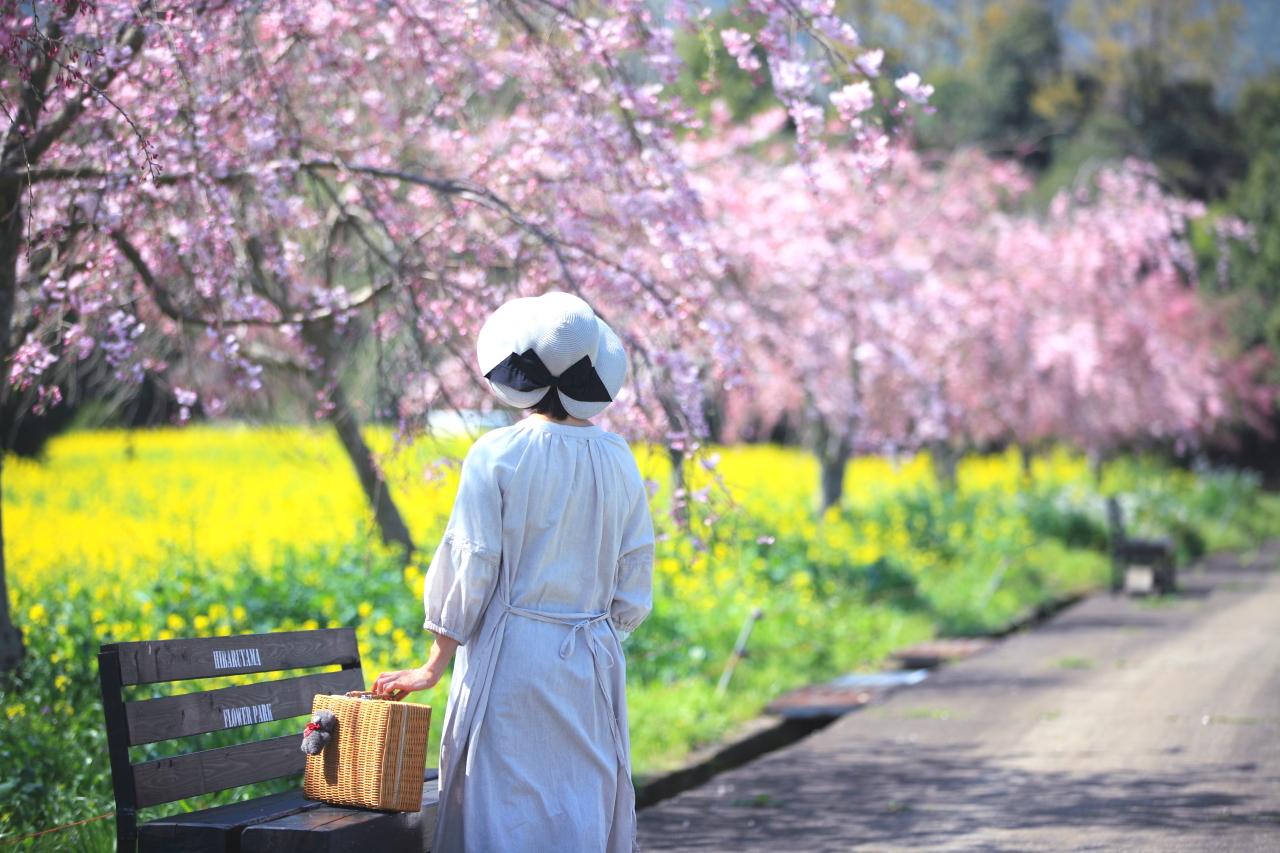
(531, 344)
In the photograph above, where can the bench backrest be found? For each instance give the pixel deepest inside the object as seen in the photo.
(144, 721)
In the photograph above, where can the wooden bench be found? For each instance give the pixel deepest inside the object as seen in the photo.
(279, 822)
(1156, 554)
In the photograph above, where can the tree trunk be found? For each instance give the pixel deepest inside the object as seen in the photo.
(1097, 461)
(1028, 460)
(945, 460)
(679, 488)
(833, 450)
(11, 649)
(833, 468)
(390, 523)
(320, 337)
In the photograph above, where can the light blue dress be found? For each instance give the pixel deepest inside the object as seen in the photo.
(545, 566)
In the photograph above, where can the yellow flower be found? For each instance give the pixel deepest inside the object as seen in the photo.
(413, 578)
(866, 553)
(36, 614)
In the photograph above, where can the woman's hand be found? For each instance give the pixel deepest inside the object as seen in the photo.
(402, 682)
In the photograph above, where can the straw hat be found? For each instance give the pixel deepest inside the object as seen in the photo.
(534, 343)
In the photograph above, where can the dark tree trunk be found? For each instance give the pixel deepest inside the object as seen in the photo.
(679, 488)
(833, 450)
(390, 523)
(326, 381)
(945, 460)
(11, 649)
(1097, 462)
(1028, 464)
(833, 468)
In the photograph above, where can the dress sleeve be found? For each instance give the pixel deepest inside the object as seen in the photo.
(634, 596)
(464, 570)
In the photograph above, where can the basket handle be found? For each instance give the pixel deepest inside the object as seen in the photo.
(369, 694)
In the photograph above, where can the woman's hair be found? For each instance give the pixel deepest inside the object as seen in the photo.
(551, 406)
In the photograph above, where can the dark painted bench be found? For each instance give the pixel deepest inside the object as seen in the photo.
(280, 822)
(1125, 552)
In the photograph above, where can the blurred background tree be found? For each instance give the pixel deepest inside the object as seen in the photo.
(1256, 200)
(1066, 87)
(991, 98)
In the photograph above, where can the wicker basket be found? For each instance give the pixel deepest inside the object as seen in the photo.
(376, 756)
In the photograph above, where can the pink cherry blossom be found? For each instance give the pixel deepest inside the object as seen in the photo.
(244, 189)
(853, 100)
(741, 47)
(911, 85)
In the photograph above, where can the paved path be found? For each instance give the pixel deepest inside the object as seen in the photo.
(1117, 725)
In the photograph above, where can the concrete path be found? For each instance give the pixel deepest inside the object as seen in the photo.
(1118, 725)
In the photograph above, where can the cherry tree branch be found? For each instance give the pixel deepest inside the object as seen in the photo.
(170, 308)
(31, 98)
(131, 37)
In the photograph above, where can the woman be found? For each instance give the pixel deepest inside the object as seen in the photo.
(545, 566)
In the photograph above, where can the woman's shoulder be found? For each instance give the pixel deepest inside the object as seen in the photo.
(626, 457)
(495, 441)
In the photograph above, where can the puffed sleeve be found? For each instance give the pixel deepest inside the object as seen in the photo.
(464, 570)
(634, 596)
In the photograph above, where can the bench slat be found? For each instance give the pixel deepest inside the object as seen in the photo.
(217, 830)
(152, 720)
(330, 829)
(151, 661)
(182, 776)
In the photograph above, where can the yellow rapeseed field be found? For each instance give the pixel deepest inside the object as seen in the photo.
(135, 501)
(221, 529)
(126, 507)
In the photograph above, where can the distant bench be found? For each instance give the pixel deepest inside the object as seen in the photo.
(1156, 554)
(270, 824)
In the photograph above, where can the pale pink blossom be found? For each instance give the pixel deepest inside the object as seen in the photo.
(912, 87)
(741, 47)
(853, 100)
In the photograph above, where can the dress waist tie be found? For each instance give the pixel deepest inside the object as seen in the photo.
(576, 622)
(601, 657)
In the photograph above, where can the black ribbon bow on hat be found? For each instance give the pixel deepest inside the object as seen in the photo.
(526, 372)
